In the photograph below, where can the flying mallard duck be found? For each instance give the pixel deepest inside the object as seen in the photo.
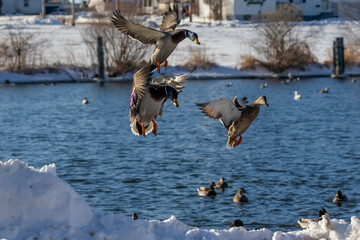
(304, 223)
(339, 197)
(147, 99)
(235, 116)
(221, 183)
(165, 40)
(239, 196)
(207, 191)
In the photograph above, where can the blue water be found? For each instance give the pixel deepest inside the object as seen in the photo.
(292, 160)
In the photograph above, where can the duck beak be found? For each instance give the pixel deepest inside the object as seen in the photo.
(266, 104)
(175, 102)
(231, 225)
(196, 41)
(327, 213)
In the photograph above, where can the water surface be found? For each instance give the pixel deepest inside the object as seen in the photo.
(292, 160)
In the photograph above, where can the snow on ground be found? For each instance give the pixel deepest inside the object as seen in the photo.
(36, 204)
(223, 42)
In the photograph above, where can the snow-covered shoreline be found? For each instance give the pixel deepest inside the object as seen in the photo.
(37, 204)
(67, 47)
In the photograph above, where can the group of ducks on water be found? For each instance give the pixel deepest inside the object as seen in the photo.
(149, 95)
(210, 191)
(338, 199)
(240, 197)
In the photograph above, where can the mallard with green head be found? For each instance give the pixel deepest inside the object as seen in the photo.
(235, 116)
(148, 97)
(165, 40)
(239, 196)
(237, 223)
(207, 191)
(304, 222)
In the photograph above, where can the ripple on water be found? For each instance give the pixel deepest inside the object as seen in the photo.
(293, 158)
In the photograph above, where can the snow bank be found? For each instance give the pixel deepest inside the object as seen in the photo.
(36, 204)
(33, 199)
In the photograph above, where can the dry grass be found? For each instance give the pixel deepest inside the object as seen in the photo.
(248, 62)
(351, 56)
(198, 59)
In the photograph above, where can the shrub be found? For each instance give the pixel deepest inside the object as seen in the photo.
(278, 44)
(20, 50)
(248, 62)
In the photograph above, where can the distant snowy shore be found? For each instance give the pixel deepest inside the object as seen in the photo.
(225, 43)
(36, 204)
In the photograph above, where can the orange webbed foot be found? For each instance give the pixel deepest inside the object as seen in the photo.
(166, 64)
(237, 142)
(158, 66)
(142, 128)
(154, 131)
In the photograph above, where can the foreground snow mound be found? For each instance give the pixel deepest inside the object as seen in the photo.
(36, 204)
(34, 199)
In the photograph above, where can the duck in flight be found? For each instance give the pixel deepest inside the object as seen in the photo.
(165, 40)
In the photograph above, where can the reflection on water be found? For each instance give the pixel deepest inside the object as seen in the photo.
(292, 160)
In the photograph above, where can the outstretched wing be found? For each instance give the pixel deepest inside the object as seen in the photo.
(240, 103)
(135, 31)
(141, 80)
(169, 22)
(175, 82)
(222, 109)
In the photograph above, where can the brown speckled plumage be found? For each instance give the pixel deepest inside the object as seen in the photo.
(235, 116)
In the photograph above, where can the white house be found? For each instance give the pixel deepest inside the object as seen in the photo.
(246, 9)
(21, 6)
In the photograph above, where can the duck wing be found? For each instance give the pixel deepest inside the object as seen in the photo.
(170, 22)
(135, 31)
(175, 82)
(222, 109)
(140, 86)
(240, 103)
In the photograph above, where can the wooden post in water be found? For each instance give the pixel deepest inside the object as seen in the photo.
(338, 57)
(100, 57)
(72, 13)
(43, 9)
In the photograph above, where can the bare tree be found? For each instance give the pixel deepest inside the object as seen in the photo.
(215, 8)
(20, 50)
(278, 44)
(121, 54)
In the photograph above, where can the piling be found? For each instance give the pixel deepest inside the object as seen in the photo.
(338, 56)
(101, 57)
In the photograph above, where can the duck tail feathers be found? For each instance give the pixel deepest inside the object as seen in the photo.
(136, 128)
